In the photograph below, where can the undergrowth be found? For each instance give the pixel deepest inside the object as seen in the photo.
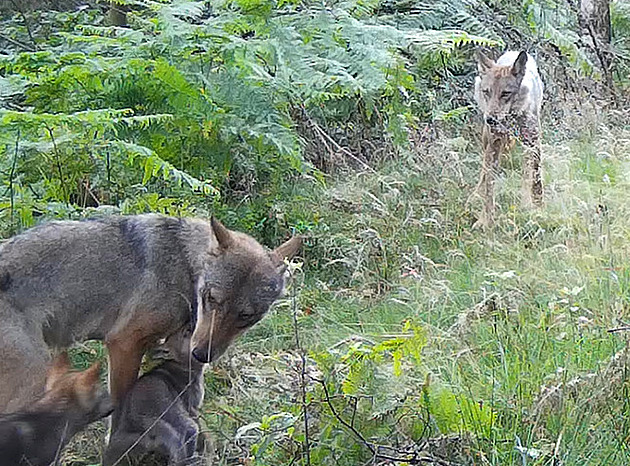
(500, 344)
(422, 340)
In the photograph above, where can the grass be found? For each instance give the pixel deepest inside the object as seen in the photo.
(515, 365)
(516, 319)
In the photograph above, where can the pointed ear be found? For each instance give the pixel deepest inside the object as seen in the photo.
(484, 64)
(287, 250)
(60, 367)
(519, 66)
(222, 234)
(87, 379)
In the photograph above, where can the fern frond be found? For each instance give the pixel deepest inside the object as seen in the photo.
(153, 166)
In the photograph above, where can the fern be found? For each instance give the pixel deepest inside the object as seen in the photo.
(153, 166)
(557, 26)
(194, 90)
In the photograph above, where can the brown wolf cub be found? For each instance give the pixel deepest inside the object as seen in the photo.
(158, 417)
(509, 93)
(72, 400)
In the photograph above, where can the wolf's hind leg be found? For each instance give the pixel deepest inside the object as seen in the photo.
(527, 199)
(537, 185)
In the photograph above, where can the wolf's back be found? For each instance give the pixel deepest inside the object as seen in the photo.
(74, 269)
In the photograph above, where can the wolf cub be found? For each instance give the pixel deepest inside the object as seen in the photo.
(158, 417)
(36, 435)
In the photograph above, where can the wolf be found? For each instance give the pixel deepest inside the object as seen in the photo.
(509, 93)
(159, 415)
(128, 281)
(72, 400)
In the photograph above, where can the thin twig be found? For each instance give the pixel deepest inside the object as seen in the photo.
(619, 329)
(343, 421)
(88, 192)
(306, 446)
(58, 163)
(326, 137)
(18, 43)
(26, 23)
(11, 175)
(61, 444)
(355, 402)
(604, 56)
(411, 458)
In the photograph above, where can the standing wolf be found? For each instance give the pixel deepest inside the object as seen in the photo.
(128, 281)
(509, 93)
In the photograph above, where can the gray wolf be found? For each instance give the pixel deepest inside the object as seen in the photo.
(159, 415)
(129, 281)
(72, 400)
(509, 93)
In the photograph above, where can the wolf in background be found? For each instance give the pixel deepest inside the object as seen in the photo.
(509, 93)
(160, 413)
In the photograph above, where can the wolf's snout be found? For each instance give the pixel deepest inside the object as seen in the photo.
(491, 121)
(200, 355)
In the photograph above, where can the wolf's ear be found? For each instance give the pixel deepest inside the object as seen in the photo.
(286, 250)
(86, 385)
(519, 66)
(222, 234)
(88, 379)
(484, 64)
(60, 367)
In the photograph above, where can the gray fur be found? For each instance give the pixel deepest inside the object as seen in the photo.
(128, 281)
(524, 83)
(509, 93)
(35, 438)
(36, 435)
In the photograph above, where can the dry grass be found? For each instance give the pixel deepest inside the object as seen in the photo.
(515, 319)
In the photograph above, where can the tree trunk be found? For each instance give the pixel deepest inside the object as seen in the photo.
(595, 24)
(118, 14)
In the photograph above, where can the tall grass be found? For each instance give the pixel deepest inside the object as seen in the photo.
(516, 319)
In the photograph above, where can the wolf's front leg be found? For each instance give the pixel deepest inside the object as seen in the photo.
(125, 356)
(493, 145)
(532, 187)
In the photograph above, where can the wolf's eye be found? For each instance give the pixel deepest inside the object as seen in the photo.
(486, 92)
(272, 287)
(506, 94)
(215, 296)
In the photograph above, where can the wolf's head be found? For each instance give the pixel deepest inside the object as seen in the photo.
(498, 90)
(237, 289)
(78, 395)
(176, 347)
